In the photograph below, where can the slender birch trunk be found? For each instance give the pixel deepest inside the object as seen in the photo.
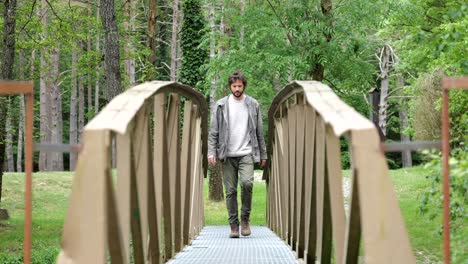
(406, 158)
(45, 102)
(384, 77)
(9, 138)
(215, 177)
(98, 68)
(81, 100)
(19, 148)
(73, 133)
(129, 26)
(56, 113)
(89, 83)
(152, 43)
(174, 42)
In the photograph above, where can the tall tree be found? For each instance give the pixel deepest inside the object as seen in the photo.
(9, 137)
(97, 68)
(174, 39)
(44, 97)
(152, 26)
(73, 131)
(129, 49)
(112, 75)
(215, 184)
(8, 58)
(194, 54)
(56, 158)
(22, 118)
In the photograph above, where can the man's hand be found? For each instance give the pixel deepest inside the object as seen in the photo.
(212, 160)
(262, 163)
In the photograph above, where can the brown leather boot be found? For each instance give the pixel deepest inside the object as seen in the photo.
(234, 231)
(245, 231)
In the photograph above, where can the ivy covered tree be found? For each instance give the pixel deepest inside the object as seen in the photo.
(194, 51)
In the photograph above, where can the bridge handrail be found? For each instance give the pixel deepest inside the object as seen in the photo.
(305, 195)
(158, 190)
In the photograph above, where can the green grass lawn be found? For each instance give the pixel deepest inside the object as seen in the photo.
(50, 200)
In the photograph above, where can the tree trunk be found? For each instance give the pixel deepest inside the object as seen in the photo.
(19, 153)
(56, 158)
(384, 77)
(318, 69)
(98, 69)
(215, 183)
(81, 101)
(10, 161)
(73, 133)
(406, 158)
(152, 16)
(8, 58)
(175, 26)
(129, 26)
(44, 100)
(89, 84)
(112, 75)
(3, 114)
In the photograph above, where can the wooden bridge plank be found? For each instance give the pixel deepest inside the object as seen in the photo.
(93, 201)
(285, 172)
(382, 224)
(185, 173)
(335, 185)
(353, 228)
(160, 161)
(300, 219)
(292, 175)
(141, 167)
(323, 247)
(279, 192)
(154, 232)
(173, 139)
(310, 186)
(124, 177)
(194, 203)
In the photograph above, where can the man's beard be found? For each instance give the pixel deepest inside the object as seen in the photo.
(237, 94)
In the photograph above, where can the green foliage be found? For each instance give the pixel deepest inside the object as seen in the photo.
(430, 34)
(425, 113)
(194, 50)
(458, 106)
(431, 199)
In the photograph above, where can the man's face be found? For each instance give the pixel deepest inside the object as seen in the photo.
(237, 88)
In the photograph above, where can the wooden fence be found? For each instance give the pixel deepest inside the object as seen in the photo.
(306, 205)
(151, 205)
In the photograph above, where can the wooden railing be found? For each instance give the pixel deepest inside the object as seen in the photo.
(306, 205)
(151, 205)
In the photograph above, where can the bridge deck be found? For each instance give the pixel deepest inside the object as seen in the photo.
(213, 246)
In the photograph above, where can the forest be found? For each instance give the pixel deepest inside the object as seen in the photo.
(80, 54)
(385, 58)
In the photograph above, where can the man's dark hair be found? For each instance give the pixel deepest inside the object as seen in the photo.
(237, 76)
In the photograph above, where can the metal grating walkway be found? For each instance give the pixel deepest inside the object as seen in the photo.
(213, 246)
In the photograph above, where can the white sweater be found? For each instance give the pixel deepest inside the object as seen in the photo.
(239, 139)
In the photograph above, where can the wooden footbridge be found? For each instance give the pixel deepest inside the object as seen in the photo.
(150, 209)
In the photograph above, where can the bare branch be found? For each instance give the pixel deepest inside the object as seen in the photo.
(53, 11)
(288, 34)
(30, 16)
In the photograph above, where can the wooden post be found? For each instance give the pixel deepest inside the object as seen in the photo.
(26, 88)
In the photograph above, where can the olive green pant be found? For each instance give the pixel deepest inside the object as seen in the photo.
(235, 169)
